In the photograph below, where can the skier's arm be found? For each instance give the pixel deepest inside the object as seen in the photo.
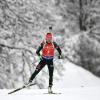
(57, 48)
(39, 49)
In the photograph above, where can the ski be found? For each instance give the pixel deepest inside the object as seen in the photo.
(52, 93)
(18, 89)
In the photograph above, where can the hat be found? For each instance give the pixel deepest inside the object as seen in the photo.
(48, 36)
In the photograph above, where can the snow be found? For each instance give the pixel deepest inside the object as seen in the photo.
(76, 84)
(76, 76)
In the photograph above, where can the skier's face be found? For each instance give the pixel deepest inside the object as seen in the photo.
(49, 40)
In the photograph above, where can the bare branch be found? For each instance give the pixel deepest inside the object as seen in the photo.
(19, 48)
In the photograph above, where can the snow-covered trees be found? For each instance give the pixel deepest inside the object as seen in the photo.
(23, 24)
(84, 14)
(89, 52)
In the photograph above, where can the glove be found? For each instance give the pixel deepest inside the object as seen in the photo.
(60, 57)
(40, 57)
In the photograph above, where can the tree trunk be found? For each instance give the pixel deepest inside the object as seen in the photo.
(81, 21)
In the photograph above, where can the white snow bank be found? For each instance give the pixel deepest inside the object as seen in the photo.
(89, 93)
(76, 76)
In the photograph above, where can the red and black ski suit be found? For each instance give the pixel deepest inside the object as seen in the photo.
(47, 59)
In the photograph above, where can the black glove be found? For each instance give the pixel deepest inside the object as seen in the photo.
(60, 57)
(40, 57)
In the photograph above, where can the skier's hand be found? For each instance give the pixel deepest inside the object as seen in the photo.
(60, 57)
(40, 57)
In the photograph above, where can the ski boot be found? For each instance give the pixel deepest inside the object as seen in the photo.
(50, 89)
(28, 84)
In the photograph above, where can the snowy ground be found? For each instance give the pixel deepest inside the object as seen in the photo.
(76, 76)
(77, 84)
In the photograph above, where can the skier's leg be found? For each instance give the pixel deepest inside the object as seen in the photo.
(39, 67)
(51, 69)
